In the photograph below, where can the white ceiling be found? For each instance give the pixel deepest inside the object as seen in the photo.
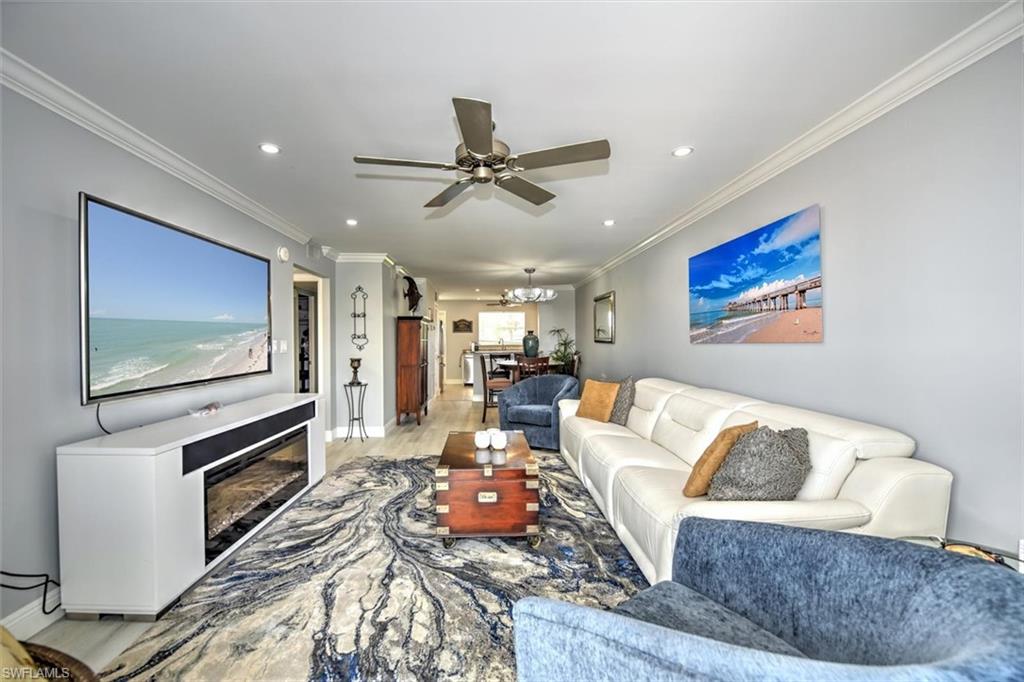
(326, 81)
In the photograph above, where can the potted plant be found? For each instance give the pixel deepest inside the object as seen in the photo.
(565, 350)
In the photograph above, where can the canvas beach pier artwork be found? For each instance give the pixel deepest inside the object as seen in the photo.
(762, 287)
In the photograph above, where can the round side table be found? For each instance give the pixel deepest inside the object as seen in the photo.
(355, 396)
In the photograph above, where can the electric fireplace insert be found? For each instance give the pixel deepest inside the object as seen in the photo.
(242, 492)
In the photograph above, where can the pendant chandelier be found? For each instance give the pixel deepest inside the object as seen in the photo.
(530, 293)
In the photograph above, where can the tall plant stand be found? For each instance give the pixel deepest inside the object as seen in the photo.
(355, 396)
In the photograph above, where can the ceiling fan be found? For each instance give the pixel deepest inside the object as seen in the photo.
(485, 158)
(505, 302)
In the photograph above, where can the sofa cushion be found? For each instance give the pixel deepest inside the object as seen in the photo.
(576, 431)
(538, 415)
(603, 456)
(649, 401)
(691, 420)
(711, 461)
(678, 607)
(832, 455)
(647, 506)
(623, 401)
(597, 400)
(763, 465)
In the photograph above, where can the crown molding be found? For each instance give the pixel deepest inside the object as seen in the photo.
(977, 41)
(25, 79)
(342, 257)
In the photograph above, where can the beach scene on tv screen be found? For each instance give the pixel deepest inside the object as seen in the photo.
(762, 287)
(167, 308)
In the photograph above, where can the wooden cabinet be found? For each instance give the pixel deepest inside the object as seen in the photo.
(411, 368)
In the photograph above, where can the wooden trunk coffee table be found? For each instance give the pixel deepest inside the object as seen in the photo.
(476, 498)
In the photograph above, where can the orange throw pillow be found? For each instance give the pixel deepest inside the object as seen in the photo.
(700, 478)
(597, 400)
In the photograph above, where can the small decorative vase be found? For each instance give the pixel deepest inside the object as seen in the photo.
(482, 440)
(499, 440)
(531, 344)
(355, 363)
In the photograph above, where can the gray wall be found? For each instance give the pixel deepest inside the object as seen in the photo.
(921, 258)
(47, 161)
(347, 276)
(557, 314)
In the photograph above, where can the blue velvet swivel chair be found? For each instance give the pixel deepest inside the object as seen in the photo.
(756, 601)
(531, 406)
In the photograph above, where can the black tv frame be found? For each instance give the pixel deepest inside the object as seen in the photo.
(83, 290)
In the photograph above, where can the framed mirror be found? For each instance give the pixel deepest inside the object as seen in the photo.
(604, 318)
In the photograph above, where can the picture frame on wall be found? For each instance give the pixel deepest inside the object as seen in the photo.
(604, 318)
(462, 326)
(764, 286)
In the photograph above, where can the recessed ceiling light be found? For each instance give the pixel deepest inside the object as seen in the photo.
(351, 222)
(476, 290)
(270, 148)
(478, 298)
(680, 152)
(609, 223)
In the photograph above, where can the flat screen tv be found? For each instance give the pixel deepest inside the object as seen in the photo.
(164, 308)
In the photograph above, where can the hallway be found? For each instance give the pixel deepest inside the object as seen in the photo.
(453, 410)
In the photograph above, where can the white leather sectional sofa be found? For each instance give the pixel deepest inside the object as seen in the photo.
(862, 478)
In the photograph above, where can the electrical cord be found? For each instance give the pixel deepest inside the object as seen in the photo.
(45, 585)
(104, 428)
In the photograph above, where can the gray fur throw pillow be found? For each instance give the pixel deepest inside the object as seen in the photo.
(623, 401)
(763, 465)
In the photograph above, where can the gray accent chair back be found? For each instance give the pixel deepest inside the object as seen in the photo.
(757, 601)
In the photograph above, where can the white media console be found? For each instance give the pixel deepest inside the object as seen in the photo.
(145, 513)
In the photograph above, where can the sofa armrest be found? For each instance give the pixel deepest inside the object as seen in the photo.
(821, 514)
(560, 641)
(906, 496)
(567, 408)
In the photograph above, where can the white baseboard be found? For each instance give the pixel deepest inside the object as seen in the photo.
(371, 431)
(30, 619)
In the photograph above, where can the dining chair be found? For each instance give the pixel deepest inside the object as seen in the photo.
(492, 387)
(497, 371)
(532, 367)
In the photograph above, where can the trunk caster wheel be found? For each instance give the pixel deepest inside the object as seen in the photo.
(448, 542)
(534, 541)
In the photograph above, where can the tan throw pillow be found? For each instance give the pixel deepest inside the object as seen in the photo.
(714, 455)
(597, 400)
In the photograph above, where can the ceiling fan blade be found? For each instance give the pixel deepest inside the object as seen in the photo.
(475, 123)
(535, 194)
(450, 192)
(559, 156)
(383, 161)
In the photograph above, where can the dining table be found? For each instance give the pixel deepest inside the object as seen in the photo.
(513, 366)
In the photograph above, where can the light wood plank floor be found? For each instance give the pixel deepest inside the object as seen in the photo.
(97, 643)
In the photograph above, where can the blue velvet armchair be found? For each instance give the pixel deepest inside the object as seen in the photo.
(756, 601)
(531, 406)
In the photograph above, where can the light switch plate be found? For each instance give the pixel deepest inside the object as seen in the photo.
(273, 346)
(284, 345)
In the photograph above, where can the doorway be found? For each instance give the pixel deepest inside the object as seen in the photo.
(442, 350)
(311, 334)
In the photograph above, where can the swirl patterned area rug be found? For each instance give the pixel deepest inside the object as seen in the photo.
(351, 583)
